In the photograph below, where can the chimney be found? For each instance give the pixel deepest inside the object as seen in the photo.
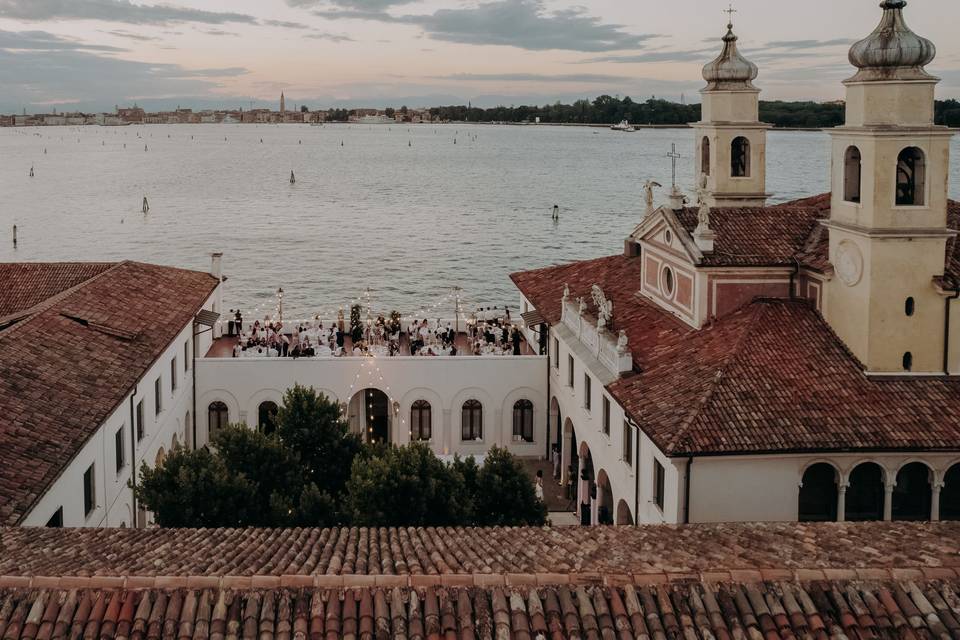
(216, 265)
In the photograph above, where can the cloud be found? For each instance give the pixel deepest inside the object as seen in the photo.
(525, 24)
(219, 32)
(332, 37)
(535, 77)
(43, 41)
(809, 44)
(285, 24)
(114, 11)
(67, 72)
(690, 55)
(363, 5)
(120, 33)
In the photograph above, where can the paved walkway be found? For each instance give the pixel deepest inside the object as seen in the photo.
(553, 494)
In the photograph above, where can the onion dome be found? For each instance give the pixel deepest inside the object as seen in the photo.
(892, 51)
(730, 71)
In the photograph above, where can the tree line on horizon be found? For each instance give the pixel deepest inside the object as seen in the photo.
(611, 110)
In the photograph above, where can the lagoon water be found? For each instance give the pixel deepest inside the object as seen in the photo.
(408, 211)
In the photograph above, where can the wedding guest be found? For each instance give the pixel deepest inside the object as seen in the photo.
(539, 485)
(515, 336)
(238, 320)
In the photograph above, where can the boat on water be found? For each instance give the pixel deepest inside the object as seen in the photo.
(623, 126)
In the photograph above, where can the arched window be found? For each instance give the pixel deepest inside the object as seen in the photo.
(907, 361)
(818, 494)
(471, 424)
(740, 158)
(911, 174)
(705, 155)
(909, 306)
(912, 495)
(217, 417)
(851, 174)
(950, 494)
(187, 431)
(865, 493)
(420, 421)
(267, 417)
(523, 420)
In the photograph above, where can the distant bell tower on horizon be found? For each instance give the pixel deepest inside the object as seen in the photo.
(731, 142)
(888, 209)
(283, 103)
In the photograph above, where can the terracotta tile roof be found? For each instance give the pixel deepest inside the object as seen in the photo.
(478, 552)
(756, 236)
(771, 377)
(26, 284)
(840, 608)
(816, 254)
(67, 366)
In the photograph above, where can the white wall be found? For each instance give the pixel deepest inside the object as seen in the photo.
(446, 382)
(114, 499)
(766, 488)
(607, 450)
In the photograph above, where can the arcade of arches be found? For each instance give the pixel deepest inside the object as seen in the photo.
(870, 492)
(588, 490)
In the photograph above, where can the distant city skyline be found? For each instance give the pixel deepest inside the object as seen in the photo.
(94, 54)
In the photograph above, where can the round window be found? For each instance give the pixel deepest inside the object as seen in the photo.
(668, 282)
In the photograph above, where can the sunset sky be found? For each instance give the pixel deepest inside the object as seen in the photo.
(94, 54)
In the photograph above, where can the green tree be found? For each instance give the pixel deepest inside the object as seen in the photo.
(405, 486)
(195, 489)
(505, 495)
(271, 469)
(310, 425)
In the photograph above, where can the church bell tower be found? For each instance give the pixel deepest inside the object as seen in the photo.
(731, 142)
(888, 219)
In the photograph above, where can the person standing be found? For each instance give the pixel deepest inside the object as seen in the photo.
(515, 336)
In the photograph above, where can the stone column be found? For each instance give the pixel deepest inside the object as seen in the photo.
(594, 506)
(446, 432)
(842, 502)
(888, 501)
(935, 501)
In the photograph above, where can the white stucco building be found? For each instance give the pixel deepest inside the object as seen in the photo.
(96, 377)
(788, 362)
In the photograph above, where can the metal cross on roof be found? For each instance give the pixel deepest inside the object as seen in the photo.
(674, 156)
(730, 11)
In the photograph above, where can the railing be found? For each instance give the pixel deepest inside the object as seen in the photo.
(602, 344)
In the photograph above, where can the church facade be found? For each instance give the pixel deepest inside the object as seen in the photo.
(789, 361)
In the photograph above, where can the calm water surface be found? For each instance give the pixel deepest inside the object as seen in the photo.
(400, 210)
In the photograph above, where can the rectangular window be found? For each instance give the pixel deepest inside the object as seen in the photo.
(173, 375)
(658, 478)
(56, 520)
(556, 353)
(186, 355)
(587, 391)
(627, 443)
(118, 449)
(89, 491)
(570, 371)
(606, 416)
(157, 395)
(140, 429)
